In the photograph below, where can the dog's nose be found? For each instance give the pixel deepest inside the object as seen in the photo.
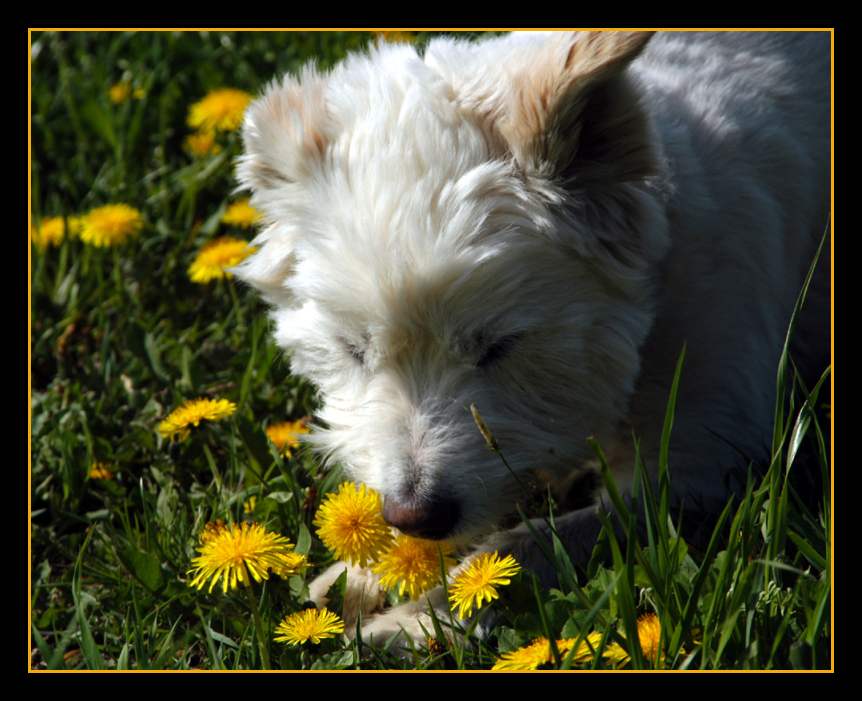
(433, 519)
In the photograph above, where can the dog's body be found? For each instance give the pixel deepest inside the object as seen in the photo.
(536, 224)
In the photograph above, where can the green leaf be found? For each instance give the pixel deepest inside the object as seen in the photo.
(223, 639)
(335, 593)
(303, 540)
(155, 357)
(92, 654)
(280, 497)
(144, 566)
(123, 657)
(100, 121)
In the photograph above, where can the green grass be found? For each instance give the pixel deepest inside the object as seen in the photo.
(121, 336)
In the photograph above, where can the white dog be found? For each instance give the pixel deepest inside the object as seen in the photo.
(536, 224)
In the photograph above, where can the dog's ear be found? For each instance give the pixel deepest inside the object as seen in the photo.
(285, 132)
(270, 266)
(549, 89)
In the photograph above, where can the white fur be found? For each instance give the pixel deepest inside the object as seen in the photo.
(414, 218)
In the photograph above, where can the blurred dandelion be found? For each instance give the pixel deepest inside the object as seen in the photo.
(110, 225)
(202, 143)
(53, 230)
(241, 214)
(214, 259)
(220, 110)
(285, 435)
(178, 422)
(100, 471)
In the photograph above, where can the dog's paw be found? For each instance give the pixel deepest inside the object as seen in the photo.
(408, 625)
(363, 594)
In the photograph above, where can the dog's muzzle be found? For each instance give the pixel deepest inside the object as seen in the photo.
(434, 519)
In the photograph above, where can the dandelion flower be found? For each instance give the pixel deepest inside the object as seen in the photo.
(202, 143)
(586, 650)
(309, 625)
(249, 505)
(530, 656)
(74, 226)
(192, 413)
(100, 471)
(649, 635)
(350, 523)
(110, 225)
(122, 91)
(412, 564)
(241, 214)
(478, 582)
(539, 652)
(50, 232)
(221, 110)
(216, 257)
(236, 555)
(285, 435)
(212, 530)
(290, 563)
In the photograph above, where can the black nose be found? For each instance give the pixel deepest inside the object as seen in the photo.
(434, 519)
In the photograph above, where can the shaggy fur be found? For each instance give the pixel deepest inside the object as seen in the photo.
(536, 224)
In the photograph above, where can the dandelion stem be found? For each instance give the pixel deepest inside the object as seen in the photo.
(236, 306)
(262, 638)
(118, 275)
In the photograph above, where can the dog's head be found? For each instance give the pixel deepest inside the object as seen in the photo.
(469, 227)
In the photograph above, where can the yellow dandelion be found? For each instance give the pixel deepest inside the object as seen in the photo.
(74, 226)
(202, 143)
(538, 653)
(110, 225)
(120, 92)
(285, 435)
(309, 625)
(220, 110)
(478, 582)
(530, 656)
(241, 214)
(290, 563)
(50, 232)
(236, 555)
(214, 259)
(178, 422)
(212, 530)
(412, 565)
(350, 523)
(586, 650)
(434, 646)
(649, 636)
(100, 471)
(249, 505)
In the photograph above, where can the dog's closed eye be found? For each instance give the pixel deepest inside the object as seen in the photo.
(498, 350)
(356, 352)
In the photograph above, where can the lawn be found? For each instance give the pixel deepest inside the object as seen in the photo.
(122, 335)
